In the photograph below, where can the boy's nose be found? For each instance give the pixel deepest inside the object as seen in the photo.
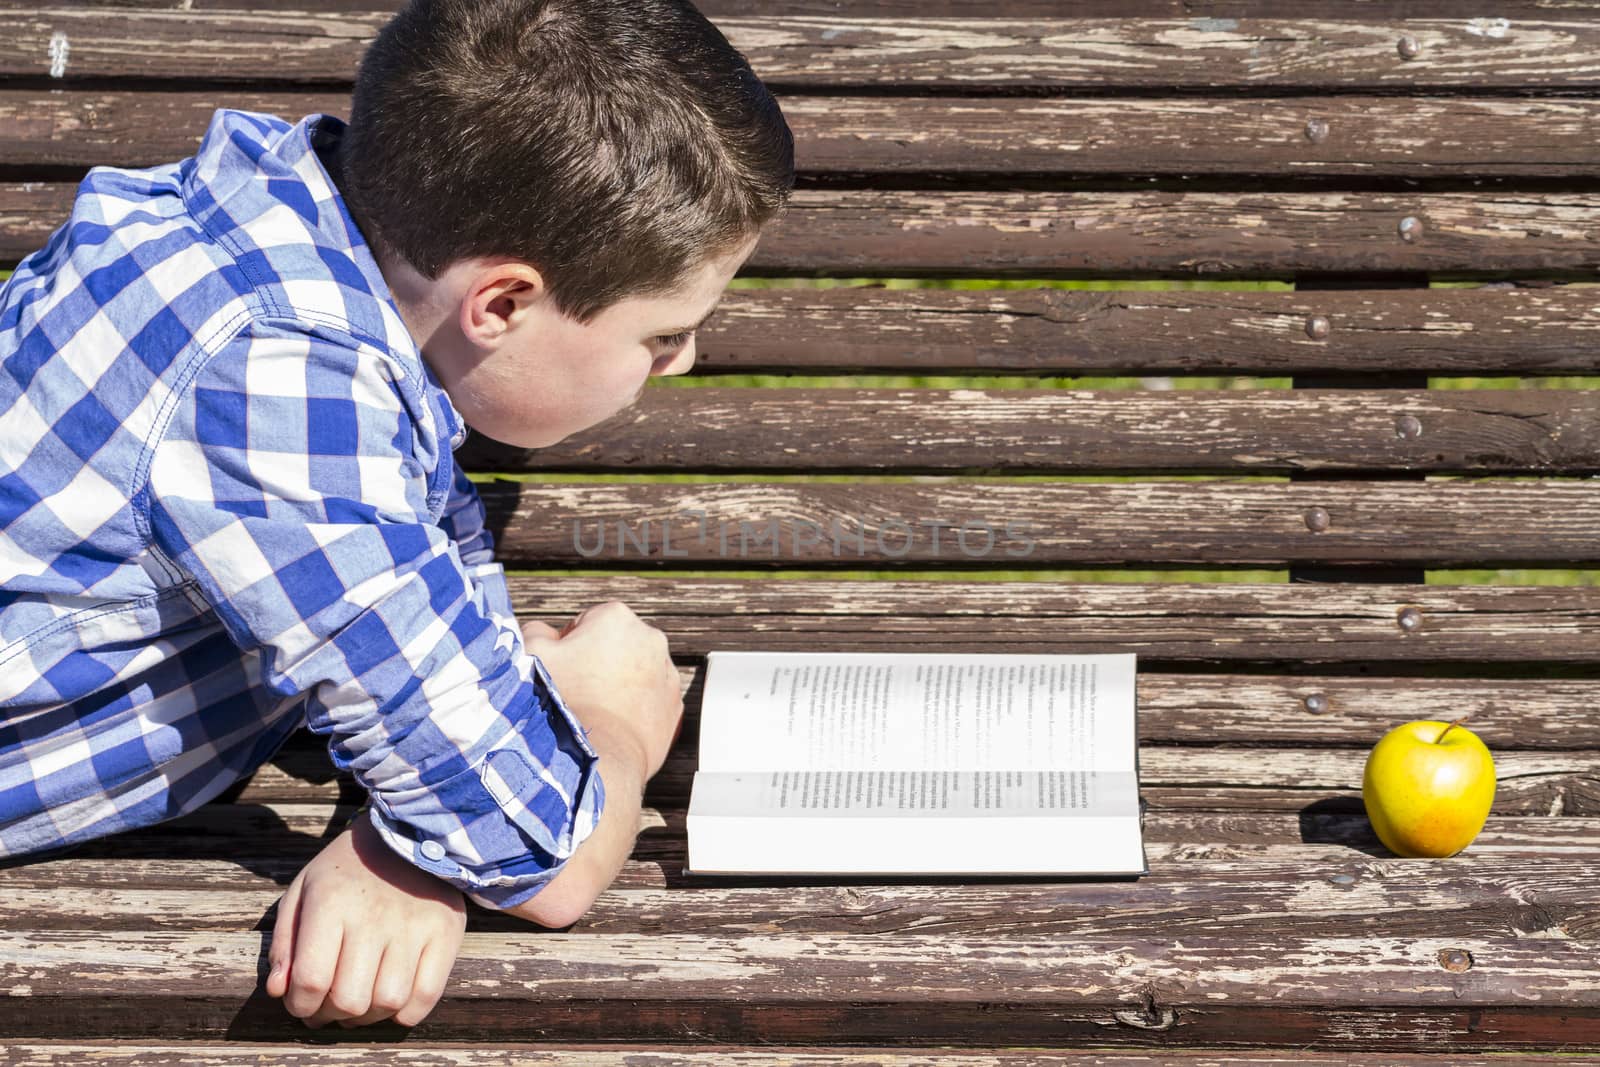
(681, 363)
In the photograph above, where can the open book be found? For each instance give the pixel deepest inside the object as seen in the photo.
(907, 763)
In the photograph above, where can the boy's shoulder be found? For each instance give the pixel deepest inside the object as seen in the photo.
(168, 286)
(249, 228)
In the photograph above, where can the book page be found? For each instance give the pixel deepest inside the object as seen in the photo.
(1051, 822)
(865, 794)
(843, 711)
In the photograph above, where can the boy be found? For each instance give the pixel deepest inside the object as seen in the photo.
(229, 392)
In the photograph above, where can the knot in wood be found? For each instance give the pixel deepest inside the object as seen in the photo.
(1455, 959)
(1148, 1017)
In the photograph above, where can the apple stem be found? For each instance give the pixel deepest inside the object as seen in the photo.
(1454, 723)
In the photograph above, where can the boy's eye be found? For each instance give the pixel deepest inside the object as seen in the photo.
(674, 340)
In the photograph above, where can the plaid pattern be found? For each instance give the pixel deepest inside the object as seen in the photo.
(228, 507)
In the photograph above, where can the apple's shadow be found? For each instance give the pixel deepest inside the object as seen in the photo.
(1331, 821)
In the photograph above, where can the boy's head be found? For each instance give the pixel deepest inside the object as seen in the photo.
(542, 179)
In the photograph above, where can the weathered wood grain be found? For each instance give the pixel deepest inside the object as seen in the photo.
(1370, 992)
(1477, 894)
(1058, 331)
(741, 524)
(975, 9)
(1404, 627)
(512, 1054)
(831, 51)
(885, 138)
(256, 846)
(1177, 234)
(1110, 234)
(1309, 711)
(1048, 431)
(1264, 778)
(1113, 234)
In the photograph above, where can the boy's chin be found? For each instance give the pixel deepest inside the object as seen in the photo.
(528, 438)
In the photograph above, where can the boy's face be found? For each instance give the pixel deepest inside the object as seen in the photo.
(523, 373)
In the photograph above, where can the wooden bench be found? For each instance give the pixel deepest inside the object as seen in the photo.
(1355, 152)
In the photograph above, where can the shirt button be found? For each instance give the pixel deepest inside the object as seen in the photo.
(433, 850)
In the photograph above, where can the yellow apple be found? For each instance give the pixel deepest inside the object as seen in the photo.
(1428, 787)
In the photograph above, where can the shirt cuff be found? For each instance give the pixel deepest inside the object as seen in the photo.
(500, 830)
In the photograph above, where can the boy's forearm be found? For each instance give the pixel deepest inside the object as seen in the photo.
(598, 859)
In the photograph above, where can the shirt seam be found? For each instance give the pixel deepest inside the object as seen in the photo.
(83, 615)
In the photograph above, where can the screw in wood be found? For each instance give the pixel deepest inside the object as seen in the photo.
(1317, 520)
(1455, 959)
(1408, 426)
(1410, 620)
(1343, 879)
(1317, 130)
(1410, 228)
(1317, 327)
(1316, 703)
(1408, 47)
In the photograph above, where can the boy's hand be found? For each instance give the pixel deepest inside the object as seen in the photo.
(608, 661)
(363, 936)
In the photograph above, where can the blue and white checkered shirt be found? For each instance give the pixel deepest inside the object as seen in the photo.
(229, 507)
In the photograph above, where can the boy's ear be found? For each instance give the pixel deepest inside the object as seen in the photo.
(498, 296)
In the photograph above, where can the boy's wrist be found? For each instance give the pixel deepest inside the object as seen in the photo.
(617, 742)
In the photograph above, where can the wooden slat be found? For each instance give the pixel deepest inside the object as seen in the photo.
(1407, 627)
(1104, 234)
(200, 1054)
(1291, 711)
(1001, 431)
(1471, 894)
(1058, 331)
(1364, 137)
(257, 846)
(1564, 10)
(1168, 234)
(1034, 523)
(1368, 992)
(1264, 778)
(830, 51)
(1553, 330)
(885, 138)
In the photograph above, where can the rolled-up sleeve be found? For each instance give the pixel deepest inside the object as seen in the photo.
(301, 487)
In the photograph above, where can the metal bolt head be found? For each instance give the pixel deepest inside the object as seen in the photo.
(1343, 879)
(1410, 228)
(1317, 130)
(1408, 426)
(1408, 47)
(1455, 959)
(1316, 703)
(1410, 620)
(1317, 327)
(1317, 519)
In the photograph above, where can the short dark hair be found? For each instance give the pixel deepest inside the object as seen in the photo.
(614, 144)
